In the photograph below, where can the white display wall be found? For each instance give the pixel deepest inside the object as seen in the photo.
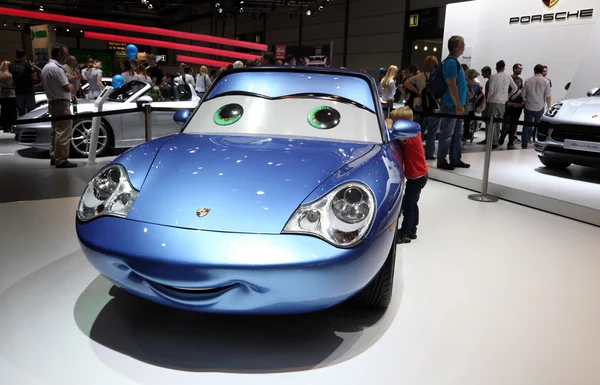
(568, 47)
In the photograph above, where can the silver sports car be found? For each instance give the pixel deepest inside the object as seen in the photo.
(574, 137)
(119, 131)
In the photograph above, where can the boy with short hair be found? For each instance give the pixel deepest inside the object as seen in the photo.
(416, 173)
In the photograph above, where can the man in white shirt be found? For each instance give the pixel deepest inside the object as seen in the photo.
(497, 96)
(536, 92)
(186, 77)
(58, 91)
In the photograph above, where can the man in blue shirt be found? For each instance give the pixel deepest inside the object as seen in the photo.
(453, 102)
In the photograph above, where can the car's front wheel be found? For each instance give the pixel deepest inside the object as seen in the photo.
(553, 163)
(82, 135)
(378, 293)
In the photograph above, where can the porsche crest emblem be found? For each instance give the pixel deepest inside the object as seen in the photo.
(550, 3)
(202, 212)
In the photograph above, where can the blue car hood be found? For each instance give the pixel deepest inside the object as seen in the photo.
(250, 184)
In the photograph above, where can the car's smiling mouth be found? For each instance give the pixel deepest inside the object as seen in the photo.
(200, 291)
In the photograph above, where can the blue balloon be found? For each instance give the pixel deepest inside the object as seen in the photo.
(131, 51)
(117, 81)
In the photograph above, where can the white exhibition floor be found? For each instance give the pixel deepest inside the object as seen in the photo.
(518, 176)
(489, 294)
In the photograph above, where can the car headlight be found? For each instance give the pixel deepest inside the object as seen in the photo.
(109, 193)
(553, 110)
(342, 217)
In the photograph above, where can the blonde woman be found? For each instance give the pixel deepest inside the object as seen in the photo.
(202, 82)
(8, 100)
(143, 74)
(388, 88)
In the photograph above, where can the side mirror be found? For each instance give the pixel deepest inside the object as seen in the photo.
(404, 129)
(181, 116)
(593, 91)
(144, 100)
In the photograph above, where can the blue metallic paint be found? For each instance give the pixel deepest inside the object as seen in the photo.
(138, 160)
(275, 273)
(251, 184)
(402, 129)
(277, 84)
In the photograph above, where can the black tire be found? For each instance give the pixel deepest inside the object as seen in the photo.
(554, 164)
(378, 293)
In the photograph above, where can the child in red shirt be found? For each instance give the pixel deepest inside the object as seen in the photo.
(416, 172)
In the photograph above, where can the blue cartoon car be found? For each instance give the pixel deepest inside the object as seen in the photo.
(280, 195)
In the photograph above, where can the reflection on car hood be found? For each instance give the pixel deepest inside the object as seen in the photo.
(250, 184)
(579, 111)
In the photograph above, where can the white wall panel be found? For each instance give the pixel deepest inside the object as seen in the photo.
(559, 44)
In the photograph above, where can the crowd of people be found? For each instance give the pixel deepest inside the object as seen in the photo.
(504, 96)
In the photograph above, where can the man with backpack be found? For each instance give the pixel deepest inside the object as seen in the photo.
(448, 82)
(426, 104)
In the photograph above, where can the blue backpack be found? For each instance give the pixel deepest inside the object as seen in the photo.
(437, 84)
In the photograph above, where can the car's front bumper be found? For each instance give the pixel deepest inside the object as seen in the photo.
(550, 144)
(33, 135)
(246, 273)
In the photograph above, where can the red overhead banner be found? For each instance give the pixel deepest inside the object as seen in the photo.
(167, 44)
(129, 27)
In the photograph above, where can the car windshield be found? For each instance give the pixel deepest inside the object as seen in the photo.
(286, 103)
(126, 91)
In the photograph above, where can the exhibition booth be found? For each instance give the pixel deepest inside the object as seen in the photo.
(559, 35)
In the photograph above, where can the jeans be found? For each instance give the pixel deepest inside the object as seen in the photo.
(513, 114)
(410, 208)
(432, 124)
(496, 110)
(530, 116)
(25, 103)
(8, 114)
(450, 139)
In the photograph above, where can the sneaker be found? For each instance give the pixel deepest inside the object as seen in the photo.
(66, 164)
(460, 165)
(403, 239)
(445, 166)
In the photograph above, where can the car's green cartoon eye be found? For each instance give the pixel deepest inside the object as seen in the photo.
(228, 114)
(324, 117)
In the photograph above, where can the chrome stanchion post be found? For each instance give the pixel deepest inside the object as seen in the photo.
(96, 120)
(148, 121)
(484, 197)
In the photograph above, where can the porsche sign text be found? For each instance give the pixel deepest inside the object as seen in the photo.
(549, 17)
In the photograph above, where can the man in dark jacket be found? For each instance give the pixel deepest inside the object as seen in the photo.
(22, 72)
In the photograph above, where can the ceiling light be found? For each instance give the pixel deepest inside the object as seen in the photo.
(320, 7)
(241, 10)
(425, 48)
(41, 7)
(217, 5)
(68, 30)
(81, 31)
(308, 12)
(434, 49)
(150, 6)
(220, 10)
(416, 47)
